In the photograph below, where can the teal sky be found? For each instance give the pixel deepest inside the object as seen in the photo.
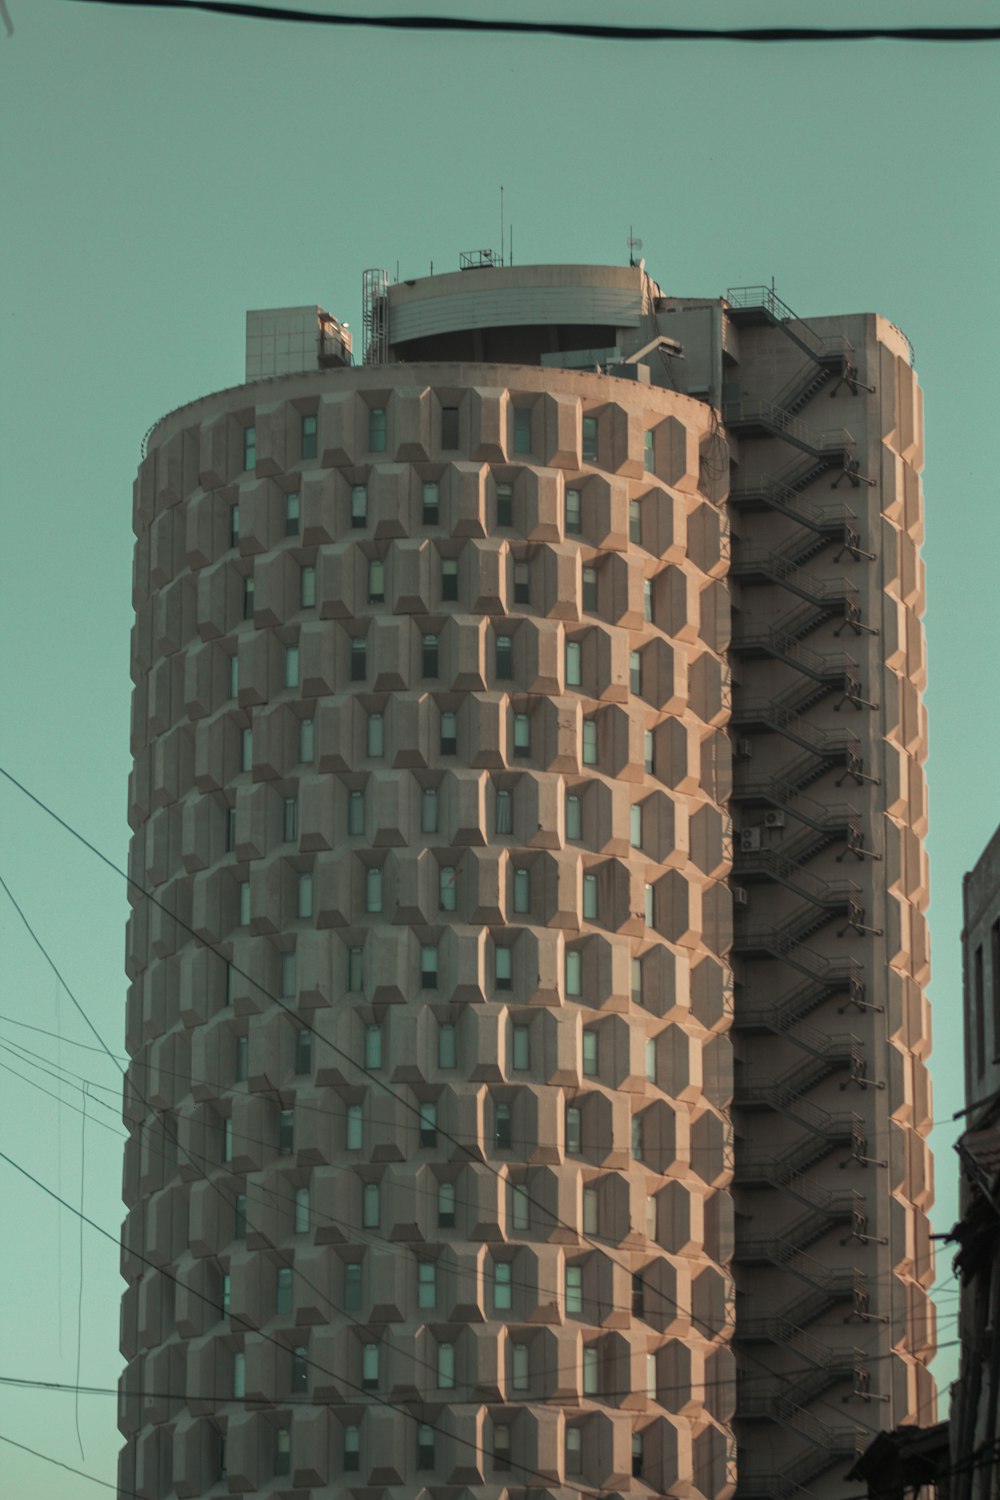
(162, 172)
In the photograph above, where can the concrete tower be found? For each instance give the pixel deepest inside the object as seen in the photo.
(435, 1145)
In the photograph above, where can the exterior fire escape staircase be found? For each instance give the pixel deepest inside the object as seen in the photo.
(784, 830)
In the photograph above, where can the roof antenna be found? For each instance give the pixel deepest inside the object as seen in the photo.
(633, 246)
(501, 223)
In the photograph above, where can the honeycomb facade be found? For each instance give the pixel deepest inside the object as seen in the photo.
(430, 1158)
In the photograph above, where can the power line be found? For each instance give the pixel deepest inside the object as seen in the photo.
(582, 31)
(104, 1483)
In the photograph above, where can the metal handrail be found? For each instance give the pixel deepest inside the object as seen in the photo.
(757, 409)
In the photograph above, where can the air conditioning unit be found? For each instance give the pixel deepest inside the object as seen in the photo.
(744, 749)
(774, 820)
(749, 840)
(741, 896)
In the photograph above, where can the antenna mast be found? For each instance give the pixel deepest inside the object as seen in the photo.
(501, 223)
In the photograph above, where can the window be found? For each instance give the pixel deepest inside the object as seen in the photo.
(449, 734)
(637, 1455)
(647, 451)
(651, 1217)
(290, 819)
(359, 659)
(505, 505)
(638, 1295)
(573, 1133)
(373, 890)
(373, 1046)
(591, 1381)
(352, 1286)
(502, 1291)
(447, 1050)
(250, 448)
(574, 1451)
(300, 1370)
(356, 813)
(307, 741)
(227, 1139)
(590, 897)
(520, 1206)
(503, 968)
(230, 829)
(637, 1137)
(522, 429)
(428, 967)
(650, 913)
(371, 1212)
(240, 1217)
(651, 1060)
(376, 735)
(354, 1135)
(301, 1210)
(429, 810)
(634, 672)
(248, 591)
(428, 1124)
(426, 1284)
(504, 658)
(431, 505)
(591, 1217)
(635, 825)
(572, 663)
(376, 581)
(522, 735)
(429, 656)
(425, 1446)
(308, 437)
(233, 666)
(651, 1376)
(307, 588)
(449, 578)
(636, 984)
(588, 446)
(291, 666)
(355, 969)
(292, 513)
(446, 1205)
(573, 968)
(574, 819)
(519, 1374)
(520, 1048)
(446, 1367)
(647, 752)
(244, 903)
(230, 984)
(522, 890)
(286, 1132)
(572, 518)
(225, 1297)
(234, 526)
(376, 429)
(246, 750)
(447, 888)
(590, 742)
(590, 1053)
(522, 583)
(502, 1132)
(503, 811)
(647, 599)
(449, 427)
(305, 902)
(369, 1367)
(634, 521)
(574, 1289)
(590, 589)
(359, 505)
(352, 1450)
(287, 986)
(283, 1290)
(501, 1449)
(239, 1375)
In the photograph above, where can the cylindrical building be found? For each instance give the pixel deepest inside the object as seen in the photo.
(430, 1157)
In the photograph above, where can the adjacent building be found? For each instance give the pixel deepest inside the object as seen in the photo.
(529, 1032)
